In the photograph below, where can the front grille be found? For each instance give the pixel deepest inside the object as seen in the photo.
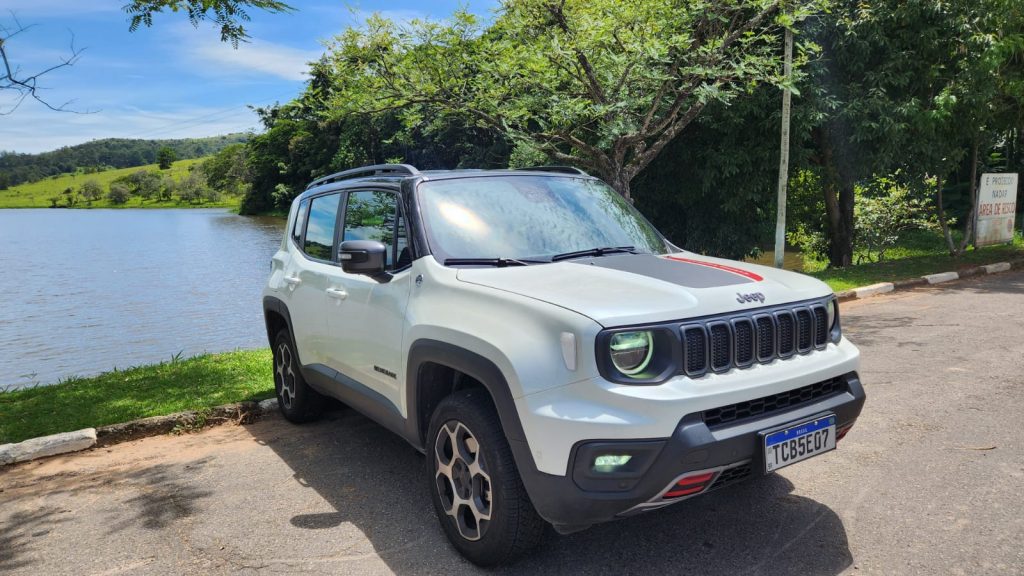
(721, 343)
(731, 476)
(769, 405)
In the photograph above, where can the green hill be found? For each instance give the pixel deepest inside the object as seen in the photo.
(103, 154)
(38, 194)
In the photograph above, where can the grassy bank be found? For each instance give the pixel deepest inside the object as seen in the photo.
(37, 194)
(123, 395)
(918, 254)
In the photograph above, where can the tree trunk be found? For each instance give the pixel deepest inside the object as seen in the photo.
(838, 191)
(780, 209)
(969, 226)
(620, 182)
(940, 211)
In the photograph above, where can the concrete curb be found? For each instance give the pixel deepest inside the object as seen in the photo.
(927, 280)
(65, 442)
(47, 446)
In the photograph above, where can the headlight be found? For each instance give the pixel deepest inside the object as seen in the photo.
(631, 351)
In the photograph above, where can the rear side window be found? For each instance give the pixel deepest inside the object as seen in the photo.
(323, 216)
(300, 222)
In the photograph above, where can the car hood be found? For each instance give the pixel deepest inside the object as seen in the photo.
(627, 289)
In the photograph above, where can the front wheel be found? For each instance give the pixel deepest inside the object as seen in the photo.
(296, 400)
(477, 493)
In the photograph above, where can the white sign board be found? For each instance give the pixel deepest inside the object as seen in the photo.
(997, 207)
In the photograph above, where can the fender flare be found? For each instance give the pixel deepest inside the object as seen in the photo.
(477, 367)
(276, 305)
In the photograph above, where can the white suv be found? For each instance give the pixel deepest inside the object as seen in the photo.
(553, 355)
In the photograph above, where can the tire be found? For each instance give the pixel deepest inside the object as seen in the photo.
(479, 497)
(297, 401)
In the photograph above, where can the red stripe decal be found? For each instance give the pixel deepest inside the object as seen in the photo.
(739, 271)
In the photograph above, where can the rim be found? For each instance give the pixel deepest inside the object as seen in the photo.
(284, 375)
(462, 480)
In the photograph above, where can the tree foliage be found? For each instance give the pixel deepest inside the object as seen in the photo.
(228, 15)
(605, 84)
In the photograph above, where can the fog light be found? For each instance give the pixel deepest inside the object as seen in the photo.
(611, 462)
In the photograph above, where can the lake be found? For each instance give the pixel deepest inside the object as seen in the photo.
(84, 291)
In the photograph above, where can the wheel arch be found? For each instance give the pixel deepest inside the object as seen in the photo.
(276, 317)
(433, 371)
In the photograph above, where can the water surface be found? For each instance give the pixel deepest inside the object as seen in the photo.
(84, 291)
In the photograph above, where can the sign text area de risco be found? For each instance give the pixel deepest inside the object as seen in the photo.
(997, 207)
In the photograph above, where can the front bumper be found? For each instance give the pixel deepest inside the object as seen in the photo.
(728, 447)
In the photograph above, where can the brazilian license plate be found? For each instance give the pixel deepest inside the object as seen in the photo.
(799, 442)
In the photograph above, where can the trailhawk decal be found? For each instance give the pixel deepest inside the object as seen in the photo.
(740, 271)
(674, 269)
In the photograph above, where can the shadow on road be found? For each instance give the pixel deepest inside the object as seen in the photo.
(375, 481)
(164, 497)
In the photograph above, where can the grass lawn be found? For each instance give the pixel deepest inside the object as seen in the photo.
(122, 395)
(37, 194)
(919, 253)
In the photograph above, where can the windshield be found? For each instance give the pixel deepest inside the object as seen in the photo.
(529, 218)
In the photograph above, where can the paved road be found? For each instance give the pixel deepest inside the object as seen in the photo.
(929, 482)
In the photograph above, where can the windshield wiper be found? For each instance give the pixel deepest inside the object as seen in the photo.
(594, 252)
(498, 262)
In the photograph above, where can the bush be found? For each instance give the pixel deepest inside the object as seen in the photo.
(119, 193)
(91, 190)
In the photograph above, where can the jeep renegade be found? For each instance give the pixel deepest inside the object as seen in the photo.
(556, 359)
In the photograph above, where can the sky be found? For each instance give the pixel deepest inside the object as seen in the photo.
(171, 80)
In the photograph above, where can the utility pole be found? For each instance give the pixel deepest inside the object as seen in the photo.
(787, 98)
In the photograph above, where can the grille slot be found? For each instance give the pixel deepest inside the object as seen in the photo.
(721, 347)
(765, 338)
(769, 405)
(696, 350)
(805, 329)
(820, 326)
(743, 340)
(787, 333)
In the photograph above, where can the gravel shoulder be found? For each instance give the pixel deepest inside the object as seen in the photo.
(928, 482)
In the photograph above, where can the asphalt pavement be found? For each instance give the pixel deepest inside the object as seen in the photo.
(930, 481)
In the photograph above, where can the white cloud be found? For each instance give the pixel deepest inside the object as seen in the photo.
(259, 57)
(22, 133)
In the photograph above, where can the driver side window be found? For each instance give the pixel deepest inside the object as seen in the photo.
(375, 215)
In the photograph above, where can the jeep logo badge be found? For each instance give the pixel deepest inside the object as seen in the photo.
(743, 298)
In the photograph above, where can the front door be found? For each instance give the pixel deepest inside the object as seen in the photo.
(366, 319)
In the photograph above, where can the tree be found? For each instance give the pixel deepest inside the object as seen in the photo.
(228, 14)
(604, 84)
(26, 85)
(119, 193)
(165, 157)
(91, 190)
(227, 170)
(192, 188)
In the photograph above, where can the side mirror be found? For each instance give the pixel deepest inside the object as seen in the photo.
(362, 257)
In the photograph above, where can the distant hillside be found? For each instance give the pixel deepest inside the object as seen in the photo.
(39, 194)
(103, 154)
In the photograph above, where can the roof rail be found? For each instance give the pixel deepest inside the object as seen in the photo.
(559, 169)
(366, 171)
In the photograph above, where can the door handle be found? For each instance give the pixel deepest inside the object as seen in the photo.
(292, 280)
(338, 293)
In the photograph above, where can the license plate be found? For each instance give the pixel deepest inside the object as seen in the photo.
(799, 442)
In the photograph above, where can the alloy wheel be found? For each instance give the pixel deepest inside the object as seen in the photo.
(462, 480)
(284, 374)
